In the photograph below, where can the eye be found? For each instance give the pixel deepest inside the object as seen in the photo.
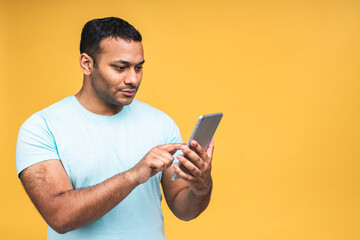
(120, 68)
(138, 68)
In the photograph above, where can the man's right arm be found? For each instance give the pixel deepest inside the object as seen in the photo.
(65, 208)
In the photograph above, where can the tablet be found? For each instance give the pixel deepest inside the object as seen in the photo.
(203, 133)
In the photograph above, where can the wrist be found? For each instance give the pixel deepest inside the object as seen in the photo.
(132, 177)
(203, 191)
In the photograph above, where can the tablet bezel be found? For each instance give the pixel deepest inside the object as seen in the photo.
(203, 132)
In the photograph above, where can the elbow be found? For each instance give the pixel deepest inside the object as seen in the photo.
(59, 225)
(59, 228)
(59, 219)
(187, 217)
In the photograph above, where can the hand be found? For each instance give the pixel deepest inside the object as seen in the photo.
(199, 167)
(156, 160)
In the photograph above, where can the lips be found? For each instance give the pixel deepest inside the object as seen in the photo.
(128, 92)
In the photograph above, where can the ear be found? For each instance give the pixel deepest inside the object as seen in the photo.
(86, 63)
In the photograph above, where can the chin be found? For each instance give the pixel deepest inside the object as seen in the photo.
(123, 102)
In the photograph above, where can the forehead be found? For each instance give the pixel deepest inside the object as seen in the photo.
(113, 49)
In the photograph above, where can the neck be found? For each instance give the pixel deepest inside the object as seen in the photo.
(94, 103)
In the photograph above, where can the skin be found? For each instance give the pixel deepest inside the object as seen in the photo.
(106, 89)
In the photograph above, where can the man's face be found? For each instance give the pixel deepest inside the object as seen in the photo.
(118, 74)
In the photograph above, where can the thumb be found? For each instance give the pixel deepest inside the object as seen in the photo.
(210, 149)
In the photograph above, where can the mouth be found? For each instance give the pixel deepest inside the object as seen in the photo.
(128, 92)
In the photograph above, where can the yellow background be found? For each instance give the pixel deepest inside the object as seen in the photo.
(284, 73)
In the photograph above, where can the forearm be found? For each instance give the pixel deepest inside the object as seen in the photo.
(66, 209)
(76, 208)
(188, 205)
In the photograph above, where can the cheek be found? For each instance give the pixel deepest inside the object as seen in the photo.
(108, 74)
(100, 83)
(111, 78)
(139, 76)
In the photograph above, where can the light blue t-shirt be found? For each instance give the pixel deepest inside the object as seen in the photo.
(93, 148)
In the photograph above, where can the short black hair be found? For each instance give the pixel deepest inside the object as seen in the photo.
(98, 29)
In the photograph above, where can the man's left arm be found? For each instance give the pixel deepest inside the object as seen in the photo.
(189, 196)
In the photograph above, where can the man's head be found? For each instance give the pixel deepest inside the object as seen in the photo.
(96, 30)
(111, 59)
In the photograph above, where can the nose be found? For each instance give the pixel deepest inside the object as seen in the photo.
(131, 77)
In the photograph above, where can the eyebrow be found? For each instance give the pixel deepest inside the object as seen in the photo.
(129, 63)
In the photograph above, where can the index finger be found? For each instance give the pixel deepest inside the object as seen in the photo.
(171, 147)
(199, 150)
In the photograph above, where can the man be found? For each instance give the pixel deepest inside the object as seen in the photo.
(92, 163)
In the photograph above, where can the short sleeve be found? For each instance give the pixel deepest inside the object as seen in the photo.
(35, 143)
